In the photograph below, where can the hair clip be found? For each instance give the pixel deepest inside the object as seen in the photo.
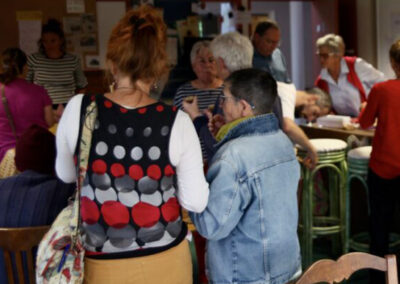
(136, 22)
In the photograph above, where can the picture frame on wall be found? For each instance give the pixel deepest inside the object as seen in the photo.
(91, 61)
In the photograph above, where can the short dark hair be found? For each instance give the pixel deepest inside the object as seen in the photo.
(255, 86)
(52, 26)
(262, 27)
(36, 150)
(13, 60)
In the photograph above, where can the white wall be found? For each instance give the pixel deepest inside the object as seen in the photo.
(366, 30)
(301, 44)
(388, 30)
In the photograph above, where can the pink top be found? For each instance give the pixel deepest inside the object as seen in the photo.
(26, 102)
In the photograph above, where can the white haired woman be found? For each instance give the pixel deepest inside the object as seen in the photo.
(207, 88)
(348, 80)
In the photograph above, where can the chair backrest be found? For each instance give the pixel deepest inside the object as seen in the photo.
(330, 271)
(16, 241)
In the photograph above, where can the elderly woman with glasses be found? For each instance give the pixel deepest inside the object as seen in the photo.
(205, 90)
(348, 80)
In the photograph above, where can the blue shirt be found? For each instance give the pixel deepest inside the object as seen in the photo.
(250, 222)
(274, 64)
(30, 199)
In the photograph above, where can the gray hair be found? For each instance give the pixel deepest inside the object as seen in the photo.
(333, 42)
(197, 47)
(324, 100)
(235, 49)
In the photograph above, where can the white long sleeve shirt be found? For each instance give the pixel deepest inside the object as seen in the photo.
(184, 151)
(345, 96)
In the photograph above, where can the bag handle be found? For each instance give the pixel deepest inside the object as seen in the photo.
(83, 158)
(7, 111)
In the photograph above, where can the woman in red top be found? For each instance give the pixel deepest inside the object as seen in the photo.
(384, 166)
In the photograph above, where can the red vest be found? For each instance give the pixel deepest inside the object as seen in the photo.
(351, 77)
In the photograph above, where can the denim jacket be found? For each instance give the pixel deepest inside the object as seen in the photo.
(251, 218)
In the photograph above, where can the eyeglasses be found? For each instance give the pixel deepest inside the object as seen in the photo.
(222, 100)
(324, 55)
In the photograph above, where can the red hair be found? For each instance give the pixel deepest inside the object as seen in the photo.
(137, 45)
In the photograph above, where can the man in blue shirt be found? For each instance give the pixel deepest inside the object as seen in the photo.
(267, 55)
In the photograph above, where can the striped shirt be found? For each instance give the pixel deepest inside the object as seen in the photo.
(205, 98)
(60, 77)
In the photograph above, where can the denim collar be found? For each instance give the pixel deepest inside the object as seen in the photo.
(259, 124)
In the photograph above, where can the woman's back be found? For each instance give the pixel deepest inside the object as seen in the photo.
(26, 102)
(129, 198)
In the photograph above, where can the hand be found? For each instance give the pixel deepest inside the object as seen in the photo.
(192, 109)
(363, 105)
(215, 122)
(311, 160)
(303, 98)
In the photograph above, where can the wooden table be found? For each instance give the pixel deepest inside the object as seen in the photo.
(315, 131)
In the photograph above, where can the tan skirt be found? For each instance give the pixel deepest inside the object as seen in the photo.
(173, 266)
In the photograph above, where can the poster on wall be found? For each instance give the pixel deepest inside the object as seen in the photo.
(81, 34)
(29, 30)
(75, 6)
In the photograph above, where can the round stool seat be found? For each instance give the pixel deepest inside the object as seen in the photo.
(360, 153)
(326, 145)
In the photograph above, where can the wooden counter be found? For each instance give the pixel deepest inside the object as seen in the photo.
(323, 132)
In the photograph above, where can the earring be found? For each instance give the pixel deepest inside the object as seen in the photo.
(155, 85)
(112, 87)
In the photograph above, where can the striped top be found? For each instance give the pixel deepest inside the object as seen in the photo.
(205, 98)
(60, 77)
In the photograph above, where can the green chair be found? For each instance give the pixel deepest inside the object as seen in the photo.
(332, 159)
(357, 160)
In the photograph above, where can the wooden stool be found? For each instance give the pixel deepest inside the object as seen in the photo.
(332, 157)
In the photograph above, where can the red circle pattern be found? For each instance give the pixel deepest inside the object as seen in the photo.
(115, 214)
(170, 210)
(142, 110)
(154, 172)
(123, 110)
(159, 108)
(117, 170)
(169, 171)
(99, 166)
(89, 211)
(135, 172)
(107, 104)
(145, 215)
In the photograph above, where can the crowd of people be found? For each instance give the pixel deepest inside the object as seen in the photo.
(224, 151)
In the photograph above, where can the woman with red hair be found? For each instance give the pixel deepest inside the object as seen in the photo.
(142, 151)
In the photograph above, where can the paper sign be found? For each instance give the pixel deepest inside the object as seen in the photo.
(29, 15)
(29, 34)
(76, 6)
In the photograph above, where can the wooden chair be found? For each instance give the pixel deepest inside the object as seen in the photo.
(330, 271)
(17, 241)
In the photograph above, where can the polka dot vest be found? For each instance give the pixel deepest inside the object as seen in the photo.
(128, 199)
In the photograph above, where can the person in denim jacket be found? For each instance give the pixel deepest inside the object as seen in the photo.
(250, 222)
